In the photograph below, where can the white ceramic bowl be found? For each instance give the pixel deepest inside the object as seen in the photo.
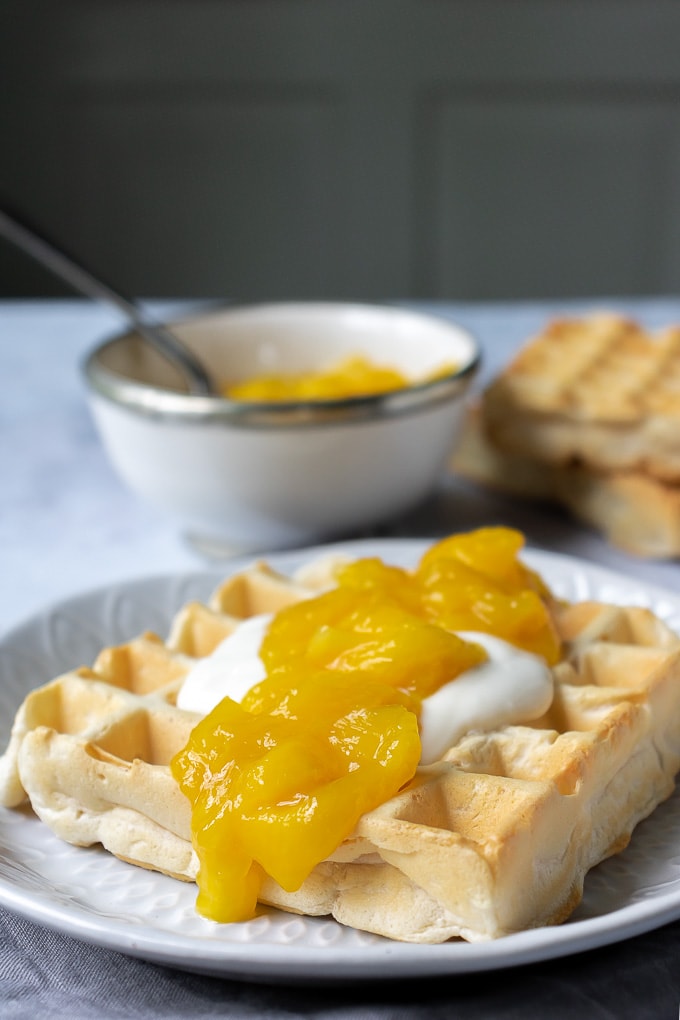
(257, 475)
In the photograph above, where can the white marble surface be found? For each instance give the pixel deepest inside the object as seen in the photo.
(68, 525)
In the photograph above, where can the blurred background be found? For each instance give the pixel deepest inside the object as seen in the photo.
(368, 149)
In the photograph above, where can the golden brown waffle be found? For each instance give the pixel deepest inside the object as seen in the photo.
(636, 512)
(90, 750)
(599, 390)
(494, 838)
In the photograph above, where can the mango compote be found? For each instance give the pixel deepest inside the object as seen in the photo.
(278, 781)
(355, 376)
(475, 581)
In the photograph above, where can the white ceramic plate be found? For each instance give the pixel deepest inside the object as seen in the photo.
(91, 895)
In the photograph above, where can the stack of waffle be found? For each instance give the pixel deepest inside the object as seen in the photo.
(494, 838)
(588, 415)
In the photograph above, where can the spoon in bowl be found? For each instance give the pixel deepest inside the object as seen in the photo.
(16, 229)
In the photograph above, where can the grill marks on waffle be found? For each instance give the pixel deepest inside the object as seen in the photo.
(494, 838)
(600, 390)
(587, 416)
(603, 367)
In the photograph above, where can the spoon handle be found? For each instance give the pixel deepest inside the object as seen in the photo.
(16, 229)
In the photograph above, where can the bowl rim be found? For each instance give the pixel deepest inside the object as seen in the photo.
(155, 402)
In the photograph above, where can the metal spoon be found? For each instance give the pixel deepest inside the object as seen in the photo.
(17, 230)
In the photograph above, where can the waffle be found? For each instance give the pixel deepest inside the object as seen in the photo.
(599, 390)
(634, 511)
(494, 838)
(91, 749)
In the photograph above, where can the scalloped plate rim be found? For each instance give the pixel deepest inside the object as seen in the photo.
(377, 958)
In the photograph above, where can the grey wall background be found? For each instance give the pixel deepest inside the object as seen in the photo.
(369, 149)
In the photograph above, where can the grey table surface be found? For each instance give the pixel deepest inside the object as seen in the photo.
(67, 525)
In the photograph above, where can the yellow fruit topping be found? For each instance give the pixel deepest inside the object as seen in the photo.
(475, 581)
(277, 782)
(355, 376)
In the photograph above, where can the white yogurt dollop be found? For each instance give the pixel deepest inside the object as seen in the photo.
(230, 671)
(512, 687)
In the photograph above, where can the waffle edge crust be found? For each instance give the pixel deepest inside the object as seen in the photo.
(495, 838)
(587, 416)
(600, 390)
